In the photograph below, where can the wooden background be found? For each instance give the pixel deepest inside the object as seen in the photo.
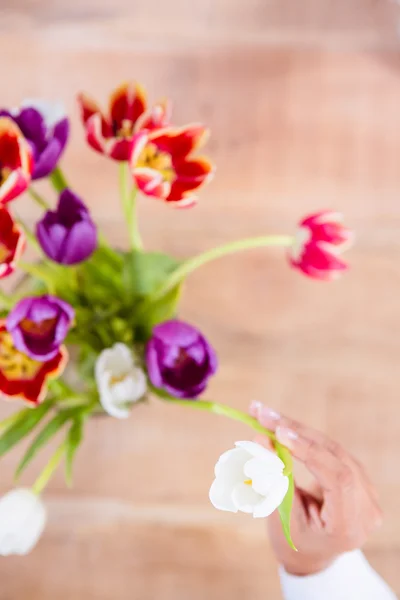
(303, 100)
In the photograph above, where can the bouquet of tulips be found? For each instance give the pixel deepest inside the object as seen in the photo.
(91, 329)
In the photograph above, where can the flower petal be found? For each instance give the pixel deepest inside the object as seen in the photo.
(127, 103)
(94, 133)
(88, 108)
(259, 451)
(221, 496)
(47, 160)
(273, 500)
(231, 464)
(151, 182)
(180, 142)
(245, 498)
(263, 474)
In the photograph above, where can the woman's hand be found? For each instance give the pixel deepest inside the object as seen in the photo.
(337, 515)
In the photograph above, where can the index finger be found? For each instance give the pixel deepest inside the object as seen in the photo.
(326, 460)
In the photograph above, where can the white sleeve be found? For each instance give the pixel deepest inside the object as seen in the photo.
(349, 577)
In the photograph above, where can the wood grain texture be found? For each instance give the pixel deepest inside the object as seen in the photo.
(296, 126)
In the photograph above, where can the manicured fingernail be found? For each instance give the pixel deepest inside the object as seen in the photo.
(269, 413)
(255, 408)
(286, 436)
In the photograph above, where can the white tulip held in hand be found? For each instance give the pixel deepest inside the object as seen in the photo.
(22, 520)
(249, 478)
(120, 382)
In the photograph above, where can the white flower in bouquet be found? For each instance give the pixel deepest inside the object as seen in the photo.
(119, 380)
(22, 520)
(249, 478)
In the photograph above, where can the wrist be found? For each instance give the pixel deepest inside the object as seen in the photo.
(306, 566)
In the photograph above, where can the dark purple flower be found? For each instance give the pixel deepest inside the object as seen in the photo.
(38, 326)
(46, 127)
(67, 235)
(179, 359)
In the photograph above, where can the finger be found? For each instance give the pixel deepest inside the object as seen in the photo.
(333, 474)
(264, 441)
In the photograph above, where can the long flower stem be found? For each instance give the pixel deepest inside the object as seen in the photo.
(5, 300)
(194, 263)
(30, 236)
(235, 415)
(38, 198)
(128, 198)
(58, 180)
(49, 469)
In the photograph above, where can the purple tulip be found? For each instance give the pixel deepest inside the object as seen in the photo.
(179, 359)
(38, 326)
(46, 127)
(67, 235)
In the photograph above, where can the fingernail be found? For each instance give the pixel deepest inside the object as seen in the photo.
(269, 413)
(286, 436)
(255, 408)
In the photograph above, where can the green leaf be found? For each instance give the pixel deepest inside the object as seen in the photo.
(74, 439)
(40, 440)
(162, 310)
(22, 427)
(143, 272)
(285, 511)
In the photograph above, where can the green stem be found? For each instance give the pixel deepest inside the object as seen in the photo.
(12, 419)
(36, 271)
(30, 236)
(38, 198)
(194, 263)
(58, 180)
(49, 469)
(226, 411)
(235, 415)
(5, 300)
(128, 198)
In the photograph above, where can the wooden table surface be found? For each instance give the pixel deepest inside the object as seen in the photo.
(303, 102)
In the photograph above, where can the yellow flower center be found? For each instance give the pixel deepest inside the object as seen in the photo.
(248, 482)
(4, 174)
(126, 129)
(153, 158)
(14, 364)
(117, 379)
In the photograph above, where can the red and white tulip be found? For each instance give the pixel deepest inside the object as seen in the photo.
(163, 166)
(318, 244)
(111, 132)
(12, 243)
(16, 162)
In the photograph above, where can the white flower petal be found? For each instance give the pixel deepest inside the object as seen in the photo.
(118, 360)
(263, 473)
(259, 451)
(231, 464)
(245, 498)
(273, 500)
(221, 497)
(22, 520)
(120, 383)
(113, 406)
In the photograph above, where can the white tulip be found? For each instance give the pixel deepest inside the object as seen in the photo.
(120, 382)
(249, 478)
(22, 520)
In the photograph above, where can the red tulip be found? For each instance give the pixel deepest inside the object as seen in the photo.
(318, 244)
(111, 133)
(162, 164)
(16, 163)
(22, 377)
(12, 243)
